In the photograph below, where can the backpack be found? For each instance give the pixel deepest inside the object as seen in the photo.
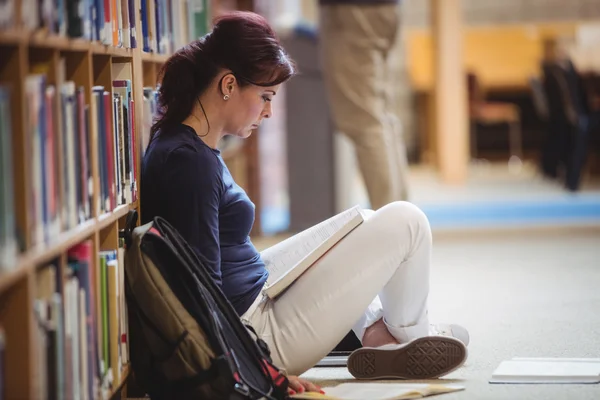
(186, 341)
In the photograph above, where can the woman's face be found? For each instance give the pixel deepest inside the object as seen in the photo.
(247, 107)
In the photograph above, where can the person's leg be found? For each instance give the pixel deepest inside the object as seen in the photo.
(355, 41)
(399, 159)
(577, 153)
(388, 254)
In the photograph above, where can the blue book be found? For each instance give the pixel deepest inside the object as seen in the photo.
(132, 26)
(144, 15)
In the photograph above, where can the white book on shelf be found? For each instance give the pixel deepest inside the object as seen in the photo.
(295, 255)
(35, 96)
(547, 370)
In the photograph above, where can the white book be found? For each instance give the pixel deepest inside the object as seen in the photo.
(35, 96)
(547, 370)
(295, 255)
(380, 391)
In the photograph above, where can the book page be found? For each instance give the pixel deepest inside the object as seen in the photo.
(380, 391)
(287, 254)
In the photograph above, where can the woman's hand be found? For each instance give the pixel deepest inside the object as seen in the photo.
(298, 385)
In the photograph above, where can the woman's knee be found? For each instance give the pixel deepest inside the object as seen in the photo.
(404, 213)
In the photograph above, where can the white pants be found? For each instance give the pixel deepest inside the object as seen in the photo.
(380, 269)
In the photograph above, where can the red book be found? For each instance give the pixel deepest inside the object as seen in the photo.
(82, 255)
(50, 177)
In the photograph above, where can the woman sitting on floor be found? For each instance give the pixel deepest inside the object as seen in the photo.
(375, 281)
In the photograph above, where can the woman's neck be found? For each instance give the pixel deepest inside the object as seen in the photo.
(211, 133)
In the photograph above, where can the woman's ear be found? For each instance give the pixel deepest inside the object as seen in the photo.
(228, 84)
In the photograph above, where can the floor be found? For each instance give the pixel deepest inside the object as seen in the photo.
(519, 295)
(531, 290)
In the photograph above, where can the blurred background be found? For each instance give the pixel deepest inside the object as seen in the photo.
(474, 120)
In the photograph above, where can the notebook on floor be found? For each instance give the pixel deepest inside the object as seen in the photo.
(380, 391)
(335, 359)
(547, 370)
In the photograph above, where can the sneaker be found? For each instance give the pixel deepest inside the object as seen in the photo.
(451, 330)
(422, 358)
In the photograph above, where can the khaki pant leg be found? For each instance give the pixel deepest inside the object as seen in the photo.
(356, 41)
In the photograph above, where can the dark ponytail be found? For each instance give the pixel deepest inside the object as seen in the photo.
(242, 42)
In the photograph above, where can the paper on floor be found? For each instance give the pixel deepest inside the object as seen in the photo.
(547, 370)
(380, 391)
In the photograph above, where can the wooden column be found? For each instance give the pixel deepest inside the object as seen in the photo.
(451, 115)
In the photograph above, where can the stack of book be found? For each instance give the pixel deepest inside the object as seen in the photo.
(82, 325)
(114, 120)
(168, 25)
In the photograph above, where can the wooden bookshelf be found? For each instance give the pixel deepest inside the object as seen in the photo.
(88, 64)
(24, 52)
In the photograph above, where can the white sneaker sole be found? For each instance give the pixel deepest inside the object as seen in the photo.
(423, 358)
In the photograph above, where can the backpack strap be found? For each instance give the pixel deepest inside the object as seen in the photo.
(130, 224)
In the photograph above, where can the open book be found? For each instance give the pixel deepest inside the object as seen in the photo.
(380, 391)
(548, 370)
(295, 255)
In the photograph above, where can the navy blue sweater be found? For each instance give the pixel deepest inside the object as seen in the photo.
(188, 184)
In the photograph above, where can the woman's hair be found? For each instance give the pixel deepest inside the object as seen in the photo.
(242, 42)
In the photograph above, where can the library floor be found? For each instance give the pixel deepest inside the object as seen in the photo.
(528, 295)
(520, 292)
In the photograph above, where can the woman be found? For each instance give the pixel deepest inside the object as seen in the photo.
(375, 281)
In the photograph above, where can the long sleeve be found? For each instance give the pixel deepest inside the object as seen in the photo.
(193, 181)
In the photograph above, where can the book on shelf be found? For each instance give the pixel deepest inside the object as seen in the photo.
(110, 22)
(56, 114)
(149, 113)
(74, 361)
(168, 25)
(49, 311)
(112, 116)
(113, 323)
(123, 101)
(8, 242)
(7, 14)
(2, 364)
(80, 263)
(292, 257)
(547, 370)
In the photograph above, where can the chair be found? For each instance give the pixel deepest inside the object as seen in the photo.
(490, 113)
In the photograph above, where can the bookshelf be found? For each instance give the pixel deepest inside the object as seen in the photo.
(67, 212)
(87, 64)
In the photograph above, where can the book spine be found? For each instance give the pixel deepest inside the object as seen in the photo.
(8, 245)
(2, 365)
(132, 24)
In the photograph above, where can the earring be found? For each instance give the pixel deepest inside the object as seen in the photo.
(226, 97)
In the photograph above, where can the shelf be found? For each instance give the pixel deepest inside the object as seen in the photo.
(124, 375)
(11, 37)
(8, 278)
(65, 240)
(41, 39)
(153, 57)
(98, 48)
